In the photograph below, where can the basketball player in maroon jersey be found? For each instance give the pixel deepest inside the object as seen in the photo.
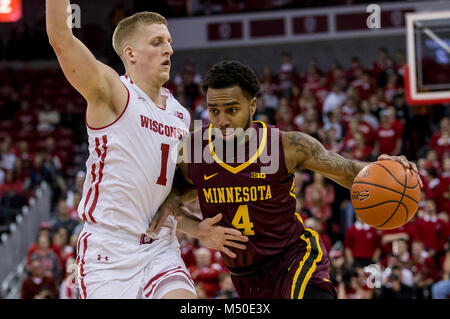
(283, 259)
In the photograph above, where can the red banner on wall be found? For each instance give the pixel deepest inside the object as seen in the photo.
(10, 10)
(225, 31)
(267, 28)
(310, 24)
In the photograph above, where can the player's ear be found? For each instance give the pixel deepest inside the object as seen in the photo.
(129, 54)
(253, 106)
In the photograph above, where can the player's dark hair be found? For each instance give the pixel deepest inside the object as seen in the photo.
(227, 74)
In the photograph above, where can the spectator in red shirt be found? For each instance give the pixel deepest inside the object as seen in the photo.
(432, 160)
(363, 84)
(50, 261)
(389, 236)
(205, 272)
(422, 266)
(188, 245)
(306, 101)
(330, 140)
(311, 79)
(361, 151)
(446, 205)
(349, 140)
(286, 74)
(334, 119)
(392, 87)
(303, 120)
(365, 127)
(377, 103)
(283, 117)
(321, 92)
(61, 239)
(381, 63)
(368, 117)
(388, 138)
(349, 109)
(356, 65)
(362, 244)
(37, 285)
(44, 229)
(445, 174)
(440, 141)
(430, 229)
(11, 186)
(318, 198)
(435, 188)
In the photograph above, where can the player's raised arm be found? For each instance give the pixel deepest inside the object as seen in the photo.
(99, 84)
(304, 151)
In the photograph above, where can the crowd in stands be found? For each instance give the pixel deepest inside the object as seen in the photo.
(30, 32)
(359, 112)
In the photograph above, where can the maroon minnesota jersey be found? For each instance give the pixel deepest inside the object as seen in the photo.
(260, 205)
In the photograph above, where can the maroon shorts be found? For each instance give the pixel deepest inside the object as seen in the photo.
(304, 263)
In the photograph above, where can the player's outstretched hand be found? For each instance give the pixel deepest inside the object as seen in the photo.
(404, 161)
(220, 238)
(171, 206)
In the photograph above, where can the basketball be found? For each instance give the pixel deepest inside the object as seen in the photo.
(385, 195)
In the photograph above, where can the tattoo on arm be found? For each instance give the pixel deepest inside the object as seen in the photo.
(337, 164)
(301, 144)
(314, 154)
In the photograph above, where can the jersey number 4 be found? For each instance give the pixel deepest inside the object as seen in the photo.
(241, 220)
(162, 179)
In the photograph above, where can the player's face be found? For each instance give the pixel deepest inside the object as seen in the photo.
(229, 109)
(153, 51)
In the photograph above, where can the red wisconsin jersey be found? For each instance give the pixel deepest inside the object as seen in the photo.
(261, 205)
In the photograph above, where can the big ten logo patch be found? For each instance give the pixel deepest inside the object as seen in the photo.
(257, 175)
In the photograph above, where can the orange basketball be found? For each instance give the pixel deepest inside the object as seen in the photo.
(385, 194)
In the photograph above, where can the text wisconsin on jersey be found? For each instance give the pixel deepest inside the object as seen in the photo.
(237, 194)
(163, 129)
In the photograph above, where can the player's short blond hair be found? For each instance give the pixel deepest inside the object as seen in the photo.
(128, 26)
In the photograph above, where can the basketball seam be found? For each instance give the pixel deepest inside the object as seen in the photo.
(392, 190)
(407, 187)
(400, 201)
(388, 201)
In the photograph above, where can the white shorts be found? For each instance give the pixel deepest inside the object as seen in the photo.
(112, 267)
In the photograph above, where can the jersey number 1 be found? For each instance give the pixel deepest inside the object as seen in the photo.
(241, 220)
(162, 179)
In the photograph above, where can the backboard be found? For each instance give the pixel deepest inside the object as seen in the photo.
(427, 74)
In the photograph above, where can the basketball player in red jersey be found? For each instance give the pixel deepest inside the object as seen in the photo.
(283, 258)
(132, 124)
